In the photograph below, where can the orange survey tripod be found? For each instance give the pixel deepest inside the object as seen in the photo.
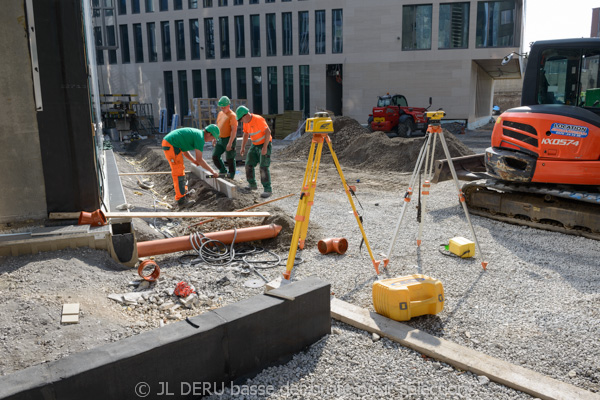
(321, 125)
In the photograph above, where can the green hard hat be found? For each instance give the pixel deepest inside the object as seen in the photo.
(241, 111)
(212, 128)
(224, 101)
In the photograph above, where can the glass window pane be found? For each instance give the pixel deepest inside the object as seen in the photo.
(286, 33)
(124, 33)
(152, 52)
(240, 48)
(177, 4)
(180, 40)
(207, 3)
(337, 37)
(197, 83)
(211, 81)
(183, 94)
(416, 27)
(495, 24)
(303, 32)
(194, 39)
(163, 5)
(238, 2)
(209, 38)
(226, 82)
(257, 90)
(165, 36)
(137, 43)
(255, 35)
(122, 7)
(272, 90)
(192, 4)
(241, 83)
(224, 33)
(454, 26)
(222, 3)
(271, 35)
(288, 87)
(320, 32)
(305, 90)
(135, 6)
(149, 6)
(170, 95)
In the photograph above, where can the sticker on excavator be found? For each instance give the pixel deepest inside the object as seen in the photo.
(569, 130)
(408, 296)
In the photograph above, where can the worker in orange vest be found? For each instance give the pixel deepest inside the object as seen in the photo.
(259, 132)
(227, 123)
(180, 143)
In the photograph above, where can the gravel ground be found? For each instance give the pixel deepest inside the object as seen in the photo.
(536, 306)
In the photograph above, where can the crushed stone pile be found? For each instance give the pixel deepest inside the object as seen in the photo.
(356, 146)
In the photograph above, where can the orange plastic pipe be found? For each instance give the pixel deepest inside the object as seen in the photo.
(182, 243)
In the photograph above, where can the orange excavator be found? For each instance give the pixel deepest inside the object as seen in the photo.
(543, 167)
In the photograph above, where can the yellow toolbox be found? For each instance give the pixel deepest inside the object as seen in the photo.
(462, 247)
(408, 296)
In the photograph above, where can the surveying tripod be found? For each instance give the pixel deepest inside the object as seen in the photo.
(321, 125)
(427, 151)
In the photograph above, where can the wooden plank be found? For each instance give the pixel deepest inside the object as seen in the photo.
(160, 214)
(497, 370)
(149, 173)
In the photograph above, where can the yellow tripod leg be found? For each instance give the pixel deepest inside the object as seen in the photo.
(301, 212)
(347, 190)
(312, 187)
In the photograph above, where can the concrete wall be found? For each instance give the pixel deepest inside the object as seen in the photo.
(21, 178)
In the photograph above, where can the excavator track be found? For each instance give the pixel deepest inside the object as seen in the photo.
(572, 213)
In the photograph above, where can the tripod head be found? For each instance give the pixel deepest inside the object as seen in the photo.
(435, 116)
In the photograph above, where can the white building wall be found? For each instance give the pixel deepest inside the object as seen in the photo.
(373, 60)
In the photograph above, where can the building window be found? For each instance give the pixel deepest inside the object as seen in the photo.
(224, 33)
(320, 32)
(271, 35)
(305, 90)
(112, 44)
(149, 6)
(272, 90)
(163, 5)
(104, 22)
(454, 26)
(303, 32)
(288, 87)
(165, 36)
(269, 1)
(180, 40)
(192, 4)
(226, 82)
(150, 31)
(238, 3)
(209, 38)
(196, 83)
(170, 95)
(98, 42)
(257, 90)
(253, 2)
(183, 93)
(416, 27)
(194, 39)
(206, 3)
(137, 43)
(496, 23)
(211, 82)
(240, 47)
(122, 7)
(241, 83)
(286, 33)
(124, 33)
(135, 6)
(255, 35)
(337, 31)
(222, 3)
(177, 4)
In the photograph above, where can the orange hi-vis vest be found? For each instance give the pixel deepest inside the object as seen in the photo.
(257, 130)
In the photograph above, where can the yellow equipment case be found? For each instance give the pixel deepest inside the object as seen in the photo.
(408, 296)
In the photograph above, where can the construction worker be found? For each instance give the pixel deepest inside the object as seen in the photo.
(257, 129)
(227, 123)
(180, 143)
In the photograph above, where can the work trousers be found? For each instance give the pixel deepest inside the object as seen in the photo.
(174, 156)
(255, 157)
(218, 150)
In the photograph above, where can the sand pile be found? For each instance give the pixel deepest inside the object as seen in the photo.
(356, 146)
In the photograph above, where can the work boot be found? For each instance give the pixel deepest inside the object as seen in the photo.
(264, 195)
(250, 187)
(185, 202)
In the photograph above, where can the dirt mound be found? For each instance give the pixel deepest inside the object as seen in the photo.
(357, 147)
